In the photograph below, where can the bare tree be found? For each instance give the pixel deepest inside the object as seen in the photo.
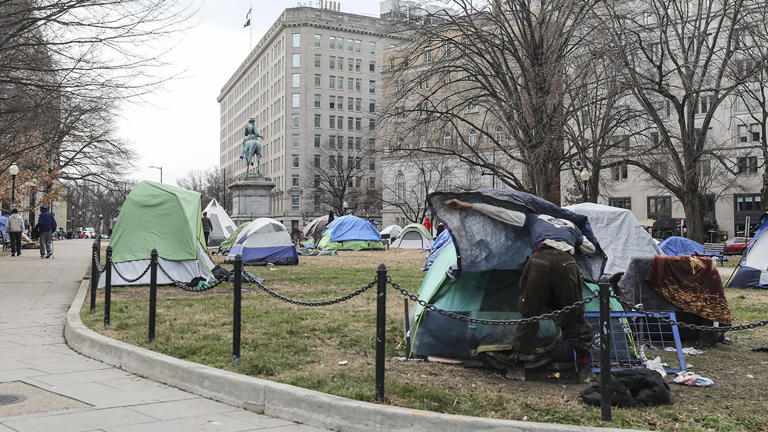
(342, 174)
(428, 173)
(491, 74)
(65, 66)
(676, 56)
(209, 183)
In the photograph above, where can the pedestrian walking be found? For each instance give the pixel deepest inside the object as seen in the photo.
(46, 225)
(550, 277)
(15, 226)
(207, 226)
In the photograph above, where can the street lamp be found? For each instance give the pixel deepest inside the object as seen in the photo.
(161, 171)
(14, 170)
(585, 175)
(345, 206)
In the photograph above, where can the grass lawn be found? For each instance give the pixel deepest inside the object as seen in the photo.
(303, 346)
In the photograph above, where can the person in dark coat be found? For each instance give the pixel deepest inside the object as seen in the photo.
(46, 225)
(207, 227)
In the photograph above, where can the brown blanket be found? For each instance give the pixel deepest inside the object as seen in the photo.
(692, 284)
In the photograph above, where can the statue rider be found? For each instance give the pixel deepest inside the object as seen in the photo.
(251, 145)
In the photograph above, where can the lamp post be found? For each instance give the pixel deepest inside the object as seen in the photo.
(345, 206)
(161, 171)
(14, 170)
(585, 175)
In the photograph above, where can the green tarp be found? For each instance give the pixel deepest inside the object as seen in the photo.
(226, 244)
(158, 216)
(415, 227)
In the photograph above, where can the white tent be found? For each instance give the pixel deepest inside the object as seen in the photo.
(619, 233)
(413, 236)
(223, 226)
(263, 241)
(392, 231)
(753, 270)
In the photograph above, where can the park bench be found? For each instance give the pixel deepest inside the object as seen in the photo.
(715, 250)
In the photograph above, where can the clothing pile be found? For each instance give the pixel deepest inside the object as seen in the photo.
(631, 388)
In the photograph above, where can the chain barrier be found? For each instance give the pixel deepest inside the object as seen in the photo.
(529, 320)
(97, 259)
(114, 267)
(318, 303)
(638, 308)
(185, 286)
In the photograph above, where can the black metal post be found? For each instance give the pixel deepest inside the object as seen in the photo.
(407, 330)
(605, 352)
(13, 191)
(94, 274)
(236, 310)
(381, 328)
(152, 293)
(108, 286)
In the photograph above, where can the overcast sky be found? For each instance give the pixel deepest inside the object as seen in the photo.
(178, 127)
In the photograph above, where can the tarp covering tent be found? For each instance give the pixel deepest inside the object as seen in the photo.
(4, 228)
(226, 244)
(619, 233)
(350, 233)
(753, 270)
(440, 243)
(392, 231)
(166, 218)
(674, 246)
(263, 241)
(223, 227)
(478, 273)
(314, 229)
(413, 236)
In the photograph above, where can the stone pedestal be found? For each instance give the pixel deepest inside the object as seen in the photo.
(250, 198)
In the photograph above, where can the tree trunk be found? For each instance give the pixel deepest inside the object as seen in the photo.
(694, 218)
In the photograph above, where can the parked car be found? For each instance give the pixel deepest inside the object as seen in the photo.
(736, 245)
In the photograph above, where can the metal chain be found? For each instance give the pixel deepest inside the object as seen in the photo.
(661, 318)
(529, 320)
(130, 280)
(97, 259)
(319, 303)
(185, 286)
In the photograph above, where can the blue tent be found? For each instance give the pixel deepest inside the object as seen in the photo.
(3, 229)
(440, 243)
(753, 271)
(674, 246)
(352, 228)
(264, 241)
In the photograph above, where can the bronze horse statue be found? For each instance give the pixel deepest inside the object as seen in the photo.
(251, 146)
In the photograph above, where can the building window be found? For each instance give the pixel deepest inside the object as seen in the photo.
(340, 123)
(472, 108)
(350, 84)
(351, 65)
(446, 49)
(754, 132)
(358, 143)
(332, 63)
(371, 86)
(318, 78)
(427, 55)
(318, 60)
(350, 123)
(372, 66)
(358, 46)
(317, 101)
(332, 102)
(295, 100)
(317, 181)
(317, 161)
(295, 121)
(297, 40)
(332, 42)
(619, 173)
(332, 82)
(358, 123)
(350, 142)
(659, 207)
(400, 187)
(295, 202)
(372, 106)
(447, 140)
(743, 133)
(371, 124)
(371, 144)
(472, 137)
(317, 141)
(332, 122)
(358, 65)
(294, 180)
(747, 202)
(296, 60)
(621, 202)
(358, 104)
(746, 165)
(372, 164)
(372, 48)
(295, 140)
(332, 141)
(391, 63)
(703, 104)
(318, 40)
(358, 85)
(294, 161)
(296, 80)
(317, 120)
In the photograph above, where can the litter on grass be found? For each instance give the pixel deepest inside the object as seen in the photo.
(686, 350)
(692, 379)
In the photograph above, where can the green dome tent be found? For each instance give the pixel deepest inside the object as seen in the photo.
(166, 218)
(413, 236)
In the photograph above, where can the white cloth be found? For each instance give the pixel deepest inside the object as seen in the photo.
(517, 218)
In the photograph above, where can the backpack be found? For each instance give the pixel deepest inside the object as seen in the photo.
(35, 234)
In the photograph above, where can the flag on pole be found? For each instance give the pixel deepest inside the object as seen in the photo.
(248, 18)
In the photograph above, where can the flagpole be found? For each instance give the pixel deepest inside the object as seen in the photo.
(251, 29)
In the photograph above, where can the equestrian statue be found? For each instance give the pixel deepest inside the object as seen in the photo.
(251, 146)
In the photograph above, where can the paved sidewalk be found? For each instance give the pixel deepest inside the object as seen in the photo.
(67, 392)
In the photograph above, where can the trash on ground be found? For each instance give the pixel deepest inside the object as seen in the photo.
(446, 360)
(692, 379)
(750, 376)
(760, 349)
(656, 365)
(686, 350)
(343, 362)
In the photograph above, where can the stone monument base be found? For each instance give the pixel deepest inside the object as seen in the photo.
(250, 197)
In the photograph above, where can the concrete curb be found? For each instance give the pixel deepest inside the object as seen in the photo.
(275, 399)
